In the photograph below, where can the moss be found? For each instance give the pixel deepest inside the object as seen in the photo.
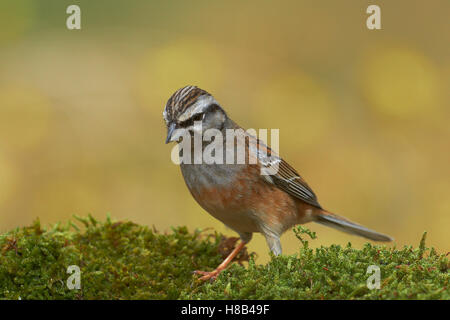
(122, 260)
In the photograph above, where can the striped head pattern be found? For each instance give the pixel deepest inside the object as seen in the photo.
(188, 105)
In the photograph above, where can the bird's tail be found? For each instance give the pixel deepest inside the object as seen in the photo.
(337, 222)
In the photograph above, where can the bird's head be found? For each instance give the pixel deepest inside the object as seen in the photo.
(192, 110)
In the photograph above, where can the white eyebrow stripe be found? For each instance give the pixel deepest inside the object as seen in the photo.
(198, 107)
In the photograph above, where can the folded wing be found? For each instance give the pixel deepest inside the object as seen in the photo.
(278, 172)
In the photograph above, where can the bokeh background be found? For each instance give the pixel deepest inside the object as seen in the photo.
(363, 115)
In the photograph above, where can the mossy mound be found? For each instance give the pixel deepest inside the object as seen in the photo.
(122, 260)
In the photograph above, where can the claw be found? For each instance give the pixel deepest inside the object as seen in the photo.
(206, 275)
(213, 274)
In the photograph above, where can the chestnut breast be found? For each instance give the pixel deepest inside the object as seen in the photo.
(238, 196)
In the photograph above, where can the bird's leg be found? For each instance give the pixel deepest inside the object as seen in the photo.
(206, 275)
(273, 241)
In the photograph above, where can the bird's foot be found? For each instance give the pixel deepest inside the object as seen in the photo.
(212, 275)
(208, 275)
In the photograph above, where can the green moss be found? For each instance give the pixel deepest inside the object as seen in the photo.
(122, 260)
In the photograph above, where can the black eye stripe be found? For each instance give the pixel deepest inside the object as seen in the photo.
(198, 116)
(190, 121)
(185, 124)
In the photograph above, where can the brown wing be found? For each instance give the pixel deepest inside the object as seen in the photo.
(288, 180)
(282, 175)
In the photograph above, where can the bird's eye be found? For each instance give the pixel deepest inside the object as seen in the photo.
(190, 121)
(197, 117)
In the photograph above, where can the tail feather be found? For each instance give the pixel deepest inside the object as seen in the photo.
(342, 224)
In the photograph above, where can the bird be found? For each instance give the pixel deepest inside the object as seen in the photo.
(263, 194)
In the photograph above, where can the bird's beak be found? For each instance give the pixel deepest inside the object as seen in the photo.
(170, 132)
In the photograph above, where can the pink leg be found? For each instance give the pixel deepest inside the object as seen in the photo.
(213, 274)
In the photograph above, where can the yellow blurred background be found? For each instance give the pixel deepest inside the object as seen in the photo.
(363, 114)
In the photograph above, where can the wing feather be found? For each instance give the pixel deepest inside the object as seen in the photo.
(290, 181)
(281, 174)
